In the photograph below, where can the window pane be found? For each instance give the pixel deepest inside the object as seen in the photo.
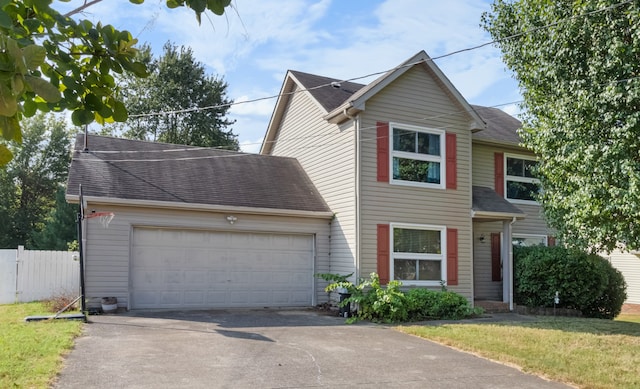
(404, 140)
(529, 241)
(522, 190)
(406, 240)
(428, 143)
(429, 270)
(515, 167)
(529, 166)
(417, 171)
(404, 269)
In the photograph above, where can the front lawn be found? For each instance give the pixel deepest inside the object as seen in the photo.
(31, 353)
(589, 353)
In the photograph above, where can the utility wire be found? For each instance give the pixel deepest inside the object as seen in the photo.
(226, 105)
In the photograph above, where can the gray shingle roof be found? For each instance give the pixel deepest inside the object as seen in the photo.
(138, 170)
(328, 96)
(501, 126)
(487, 200)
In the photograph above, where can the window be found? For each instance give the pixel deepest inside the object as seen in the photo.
(523, 240)
(417, 156)
(520, 182)
(418, 254)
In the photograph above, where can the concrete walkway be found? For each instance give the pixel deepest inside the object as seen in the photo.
(269, 349)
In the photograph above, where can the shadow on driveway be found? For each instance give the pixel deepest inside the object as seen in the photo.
(269, 349)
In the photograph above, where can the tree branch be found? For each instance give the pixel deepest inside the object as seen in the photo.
(86, 5)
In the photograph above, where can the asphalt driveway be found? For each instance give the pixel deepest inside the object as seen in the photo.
(269, 349)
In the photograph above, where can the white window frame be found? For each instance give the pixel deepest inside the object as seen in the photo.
(419, 157)
(528, 180)
(540, 237)
(442, 257)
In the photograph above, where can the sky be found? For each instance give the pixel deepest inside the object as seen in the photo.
(254, 44)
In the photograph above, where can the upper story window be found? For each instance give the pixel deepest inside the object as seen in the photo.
(520, 182)
(417, 156)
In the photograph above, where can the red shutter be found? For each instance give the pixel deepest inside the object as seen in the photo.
(551, 241)
(452, 169)
(383, 253)
(499, 173)
(383, 151)
(452, 256)
(496, 266)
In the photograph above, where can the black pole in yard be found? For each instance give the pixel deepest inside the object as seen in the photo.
(83, 304)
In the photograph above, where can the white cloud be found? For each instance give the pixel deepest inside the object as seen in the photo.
(254, 45)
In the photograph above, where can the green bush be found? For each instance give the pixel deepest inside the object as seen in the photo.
(585, 282)
(425, 304)
(390, 304)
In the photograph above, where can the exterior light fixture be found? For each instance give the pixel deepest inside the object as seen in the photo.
(231, 219)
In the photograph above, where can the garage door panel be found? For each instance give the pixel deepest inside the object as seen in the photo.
(183, 268)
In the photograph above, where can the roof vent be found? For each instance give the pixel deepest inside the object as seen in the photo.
(335, 84)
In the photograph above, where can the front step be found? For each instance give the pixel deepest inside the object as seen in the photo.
(492, 306)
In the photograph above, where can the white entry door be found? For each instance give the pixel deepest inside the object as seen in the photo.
(174, 268)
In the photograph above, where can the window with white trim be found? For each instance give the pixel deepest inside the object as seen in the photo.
(527, 240)
(520, 181)
(418, 254)
(417, 156)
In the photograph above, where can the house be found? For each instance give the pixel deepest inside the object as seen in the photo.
(425, 187)
(197, 227)
(628, 263)
(401, 176)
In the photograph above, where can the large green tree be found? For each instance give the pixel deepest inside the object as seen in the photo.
(177, 84)
(60, 228)
(29, 182)
(52, 62)
(578, 66)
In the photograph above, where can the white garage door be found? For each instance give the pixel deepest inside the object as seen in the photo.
(204, 269)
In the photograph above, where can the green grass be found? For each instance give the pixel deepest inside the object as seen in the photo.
(589, 353)
(632, 317)
(31, 353)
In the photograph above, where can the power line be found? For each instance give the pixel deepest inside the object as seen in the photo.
(239, 154)
(227, 105)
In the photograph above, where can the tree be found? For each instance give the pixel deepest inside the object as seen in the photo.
(578, 66)
(177, 83)
(30, 181)
(60, 229)
(51, 62)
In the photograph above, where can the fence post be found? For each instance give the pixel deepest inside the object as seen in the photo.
(19, 260)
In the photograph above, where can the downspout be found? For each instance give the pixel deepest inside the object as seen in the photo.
(511, 265)
(356, 125)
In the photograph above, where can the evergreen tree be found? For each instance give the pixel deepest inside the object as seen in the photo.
(28, 184)
(193, 105)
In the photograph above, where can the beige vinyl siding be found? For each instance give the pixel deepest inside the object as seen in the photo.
(483, 175)
(327, 154)
(533, 224)
(108, 250)
(416, 99)
(485, 288)
(629, 265)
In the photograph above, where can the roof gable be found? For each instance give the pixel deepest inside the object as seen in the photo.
(342, 99)
(114, 168)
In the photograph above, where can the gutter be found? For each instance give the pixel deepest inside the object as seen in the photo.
(201, 207)
(497, 215)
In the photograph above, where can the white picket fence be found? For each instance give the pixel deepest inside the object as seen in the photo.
(32, 275)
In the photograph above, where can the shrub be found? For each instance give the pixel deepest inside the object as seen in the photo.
(585, 282)
(390, 304)
(60, 301)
